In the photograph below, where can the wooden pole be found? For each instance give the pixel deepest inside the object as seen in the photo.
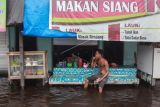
(22, 82)
(101, 45)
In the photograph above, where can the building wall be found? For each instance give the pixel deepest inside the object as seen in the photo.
(129, 49)
(45, 44)
(3, 50)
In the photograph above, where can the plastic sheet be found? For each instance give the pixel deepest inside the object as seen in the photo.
(36, 20)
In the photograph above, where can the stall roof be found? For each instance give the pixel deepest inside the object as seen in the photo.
(36, 20)
(15, 10)
(73, 41)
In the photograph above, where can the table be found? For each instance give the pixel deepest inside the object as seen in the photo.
(77, 76)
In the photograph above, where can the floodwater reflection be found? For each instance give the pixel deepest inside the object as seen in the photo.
(75, 96)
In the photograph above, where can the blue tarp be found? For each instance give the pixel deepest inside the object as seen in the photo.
(36, 20)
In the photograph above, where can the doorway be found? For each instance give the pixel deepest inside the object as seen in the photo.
(113, 51)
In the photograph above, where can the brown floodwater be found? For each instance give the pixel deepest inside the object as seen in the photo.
(34, 95)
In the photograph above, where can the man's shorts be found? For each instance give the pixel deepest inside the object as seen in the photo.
(95, 77)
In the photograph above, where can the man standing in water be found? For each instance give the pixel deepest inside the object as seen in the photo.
(101, 77)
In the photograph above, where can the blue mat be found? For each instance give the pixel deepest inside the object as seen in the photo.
(78, 75)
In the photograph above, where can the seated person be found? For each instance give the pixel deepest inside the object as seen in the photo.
(101, 77)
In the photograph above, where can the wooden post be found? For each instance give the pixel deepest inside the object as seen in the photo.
(101, 45)
(22, 82)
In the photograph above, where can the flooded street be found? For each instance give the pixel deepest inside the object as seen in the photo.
(76, 96)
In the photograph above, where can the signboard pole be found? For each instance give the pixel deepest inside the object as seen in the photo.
(100, 45)
(21, 59)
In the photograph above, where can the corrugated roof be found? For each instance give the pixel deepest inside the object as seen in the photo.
(15, 9)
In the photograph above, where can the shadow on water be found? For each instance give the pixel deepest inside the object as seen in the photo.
(34, 95)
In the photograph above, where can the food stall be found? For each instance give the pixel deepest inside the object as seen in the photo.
(35, 65)
(72, 63)
(75, 70)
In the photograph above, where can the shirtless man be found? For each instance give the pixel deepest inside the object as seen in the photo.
(101, 77)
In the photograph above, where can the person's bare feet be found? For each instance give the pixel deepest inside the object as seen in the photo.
(86, 84)
(100, 90)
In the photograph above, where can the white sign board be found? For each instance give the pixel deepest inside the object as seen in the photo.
(107, 20)
(156, 67)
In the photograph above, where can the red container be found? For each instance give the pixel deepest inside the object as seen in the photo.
(80, 63)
